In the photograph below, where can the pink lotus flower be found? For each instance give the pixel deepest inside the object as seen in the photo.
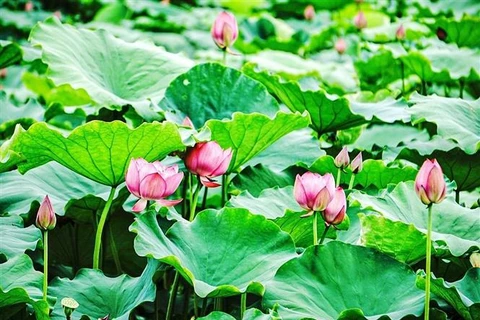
(429, 183)
(28, 6)
(314, 192)
(46, 219)
(208, 160)
(152, 181)
(340, 46)
(342, 160)
(309, 12)
(225, 30)
(187, 122)
(400, 34)
(360, 20)
(357, 164)
(334, 213)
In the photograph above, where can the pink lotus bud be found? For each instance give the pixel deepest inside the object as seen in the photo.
(335, 211)
(187, 122)
(208, 160)
(3, 73)
(400, 34)
(225, 30)
(28, 6)
(429, 183)
(340, 46)
(360, 21)
(58, 14)
(309, 12)
(152, 181)
(441, 34)
(314, 192)
(46, 219)
(342, 159)
(357, 164)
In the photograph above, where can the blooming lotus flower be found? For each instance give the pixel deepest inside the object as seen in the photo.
(309, 12)
(225, 30)
(340, 46)
(152, 181)
(334, 213)
(357, 164)
(360, 20)
(46, 219)
(400, 34)
(313, 191)
(342, 159)
(208, 160)
(429, 183)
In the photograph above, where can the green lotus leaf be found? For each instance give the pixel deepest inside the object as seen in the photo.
(134, 74)
(375, 172)
(20, 284)
(249, 134)
(387, 33)
(217, 266)
(212, 91)
(250, 314)
(9, 159)
(456, 8)
(100, 151)
(22, 20)
(10, 54)
(116, 297)
(464, 127)
(402, 204)
(334, 279)
(463, 32)
(11, 115)
(15, 238)
(256, 179)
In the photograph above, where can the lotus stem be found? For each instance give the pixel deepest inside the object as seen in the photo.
(457, 196)
(194, 199)
(339, 175)
(101, 225)
(429, 262)
(243, 304)
(204, 201)
(45, 264)
(324, 234)
(224, 189)
(352, 180)
(315, 227)
(173, 295)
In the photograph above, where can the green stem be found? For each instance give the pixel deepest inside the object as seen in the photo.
(204, 306)
(403, 77)
(352, 180)
(217, 304)
(113, 247)
(224, 189)
(243, 304)
(185, 189)
(45, 264)
(457, 196)
(424, 87)
(429, 262)
(101, 224)
(324, 234)
(173, 295)
(462, 87)
(204, 201)
(224, 58)
(194, 200)
(339, 175)
(315, 227)
(195, 305)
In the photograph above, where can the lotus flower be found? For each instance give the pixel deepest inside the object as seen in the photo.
(340, 46)
(357, 164)
(334, 213)
(208, 160)
(314, 192)
(46, 219)
(400, 34)
(360, 21)
(28, 6)
(429, 183)
(152, 181)
(342, 159)
(309, 12)
(225, 30)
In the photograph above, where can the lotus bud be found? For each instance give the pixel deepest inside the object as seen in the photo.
(340, 46)
(334, 213)
(152, 181)
(400, 34)
(187, 122)
(225, 30)
(357, 164)
(475, 259)
(313, 192)
(208, 160)
(429, 183)
(309, 12)
(46, 219)
(342, 160)
(360, 20)
(69, 305)
(28, 6)
(3, 73)
(442, 34)
(58, 14)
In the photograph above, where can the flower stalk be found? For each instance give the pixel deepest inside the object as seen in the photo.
(429, 262)
(101, 225)
(324, 233)
(45, 264)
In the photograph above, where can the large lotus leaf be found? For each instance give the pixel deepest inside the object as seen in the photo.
(221, 253)
(375, 172)
(329, 280)
(387, 33)
(250, 134)
(212, 91)
(15, 238)
(464, 32)
(462, 294)
(99, 295)
(250, 314)
(329, 113)
(11, 115)
(126, 74)
(100, 151)
(454, 226)
(59, 183)
(458, 9)
(22, 20)
(9, 159)
(258, 178)
(463, 127)
(19, 284)
(10, 53)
